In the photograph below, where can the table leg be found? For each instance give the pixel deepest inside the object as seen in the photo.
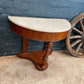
(24, 45)
(47, 52)
(46, 47)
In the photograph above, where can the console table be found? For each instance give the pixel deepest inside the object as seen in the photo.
(41, 29)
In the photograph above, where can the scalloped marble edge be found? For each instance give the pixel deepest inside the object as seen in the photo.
(59, 25)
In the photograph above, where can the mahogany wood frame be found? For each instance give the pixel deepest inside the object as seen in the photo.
(39, 58)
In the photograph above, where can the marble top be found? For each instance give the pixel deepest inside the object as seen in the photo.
(41, 24)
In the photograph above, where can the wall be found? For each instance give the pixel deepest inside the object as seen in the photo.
(10, 43)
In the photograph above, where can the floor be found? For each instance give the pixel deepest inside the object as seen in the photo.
(63, 69)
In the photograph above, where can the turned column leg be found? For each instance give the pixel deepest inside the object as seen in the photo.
(47, 52)
(46, 47)
(24, 45)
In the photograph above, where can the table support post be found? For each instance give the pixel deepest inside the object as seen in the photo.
(47, 52)
(24, 45)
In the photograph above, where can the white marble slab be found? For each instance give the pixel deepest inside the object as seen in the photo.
(41, 24)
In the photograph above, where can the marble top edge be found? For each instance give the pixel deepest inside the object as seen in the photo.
(35, 17)
(34, 27)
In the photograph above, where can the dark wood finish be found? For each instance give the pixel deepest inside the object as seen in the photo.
(36, 35)
(47, 52)
(24, 45)
(78, 51)
(36, 57)
(39, 58)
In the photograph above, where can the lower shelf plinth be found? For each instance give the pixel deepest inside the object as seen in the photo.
(36, 57)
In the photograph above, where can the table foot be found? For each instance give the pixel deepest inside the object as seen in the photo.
(36, 57)
(41, 67)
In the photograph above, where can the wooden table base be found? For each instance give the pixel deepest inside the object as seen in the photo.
(36, 57)
(39, 58)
